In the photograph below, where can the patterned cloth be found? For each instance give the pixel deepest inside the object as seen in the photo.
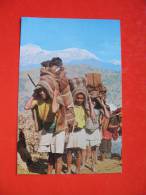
(77, 82)
(60, 82)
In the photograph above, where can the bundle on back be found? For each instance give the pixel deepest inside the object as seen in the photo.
(57, 80)
(93, 80)
(77, 82)
(94, 85)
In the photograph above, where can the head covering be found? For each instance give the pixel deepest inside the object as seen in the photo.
(84, 92)
(44, 84)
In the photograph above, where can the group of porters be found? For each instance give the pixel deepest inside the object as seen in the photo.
(72, 117)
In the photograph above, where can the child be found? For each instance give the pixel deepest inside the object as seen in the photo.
(94, 136)
(50, 140)
(77, 138)
(54, 73)
(106, 144)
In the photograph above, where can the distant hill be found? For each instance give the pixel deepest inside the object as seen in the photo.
(97, 64)
(110, 78)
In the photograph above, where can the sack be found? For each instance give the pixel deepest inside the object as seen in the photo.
(91, 126)
(94, 85)
(77, 82)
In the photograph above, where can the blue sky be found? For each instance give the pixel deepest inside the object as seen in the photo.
(100, 37)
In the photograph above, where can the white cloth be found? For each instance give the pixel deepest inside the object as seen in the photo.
(51, 143)
(77, 139)
(45, 141)
(93, 139)
(58, 142)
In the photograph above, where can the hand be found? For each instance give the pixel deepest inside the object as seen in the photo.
(93, 117)
(56, 93)
(100, 101)
(75, 124)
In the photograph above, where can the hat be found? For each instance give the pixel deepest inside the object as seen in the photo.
(46, 86)
(82, 90)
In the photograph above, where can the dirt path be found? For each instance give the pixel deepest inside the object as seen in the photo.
(40, 167)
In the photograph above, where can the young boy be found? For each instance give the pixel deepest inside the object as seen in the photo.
(50, 141)
(94, 136)
(106, 144)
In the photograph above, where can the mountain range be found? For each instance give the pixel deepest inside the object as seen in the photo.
(111, 78)
(32, 55)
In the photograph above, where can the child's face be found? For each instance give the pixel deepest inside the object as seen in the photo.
(80, 98)
(43, 94)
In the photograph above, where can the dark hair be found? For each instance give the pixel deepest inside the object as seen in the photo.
(56, 61)
(37, 93)
(45, 63)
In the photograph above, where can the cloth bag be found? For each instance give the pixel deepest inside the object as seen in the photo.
(91, 125)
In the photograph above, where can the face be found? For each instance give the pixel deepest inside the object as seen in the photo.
(80, 98)
(43, 94)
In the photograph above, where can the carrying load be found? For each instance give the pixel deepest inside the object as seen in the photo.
(53, 77)
(78, 85)
(56, 78)
(94, 85)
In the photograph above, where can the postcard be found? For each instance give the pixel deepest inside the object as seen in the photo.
(70, 98)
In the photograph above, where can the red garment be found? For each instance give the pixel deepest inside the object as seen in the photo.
(106, 134)
(115, 135)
